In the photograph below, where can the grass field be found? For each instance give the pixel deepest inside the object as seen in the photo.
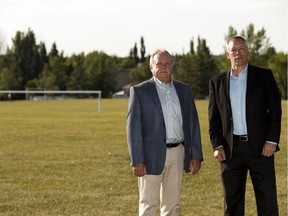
(65, 158)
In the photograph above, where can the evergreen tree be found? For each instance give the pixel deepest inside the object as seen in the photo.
(1, 44)
(278, 64)
(135, 54)
(54, 50)
(207, 68)
(186, 70)
(196, 68)
(140, 73)
(8, 79)
(259, 44)
(143, 50)
(77, 79)
(192, 52)
(99, 73)
(24, 54)
(53, 76)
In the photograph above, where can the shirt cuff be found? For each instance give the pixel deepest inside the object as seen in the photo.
(274, 143)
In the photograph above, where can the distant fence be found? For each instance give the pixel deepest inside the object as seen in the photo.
(45, 92)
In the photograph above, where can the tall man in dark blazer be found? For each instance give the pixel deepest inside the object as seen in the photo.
(163, 136)
(244, 127)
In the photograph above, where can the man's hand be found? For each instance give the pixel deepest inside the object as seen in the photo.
(268, 149)
(219, 154)
(195, 166)
(139, 169)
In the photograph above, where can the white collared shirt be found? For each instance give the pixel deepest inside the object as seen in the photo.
(171, 110)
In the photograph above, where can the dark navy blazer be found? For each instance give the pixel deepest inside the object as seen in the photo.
(263, 110)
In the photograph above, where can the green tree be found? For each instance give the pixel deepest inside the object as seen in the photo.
(24, 60)
(207, 68)
(99, 72)
(223, 64)
(135, 54)
(187, 70)
(7, 79)
(196, 68)
(127, 62)
(41, 59)
(1, 44)
(53, 76)
(140, 73)
(259, 44)
(142, 50)
(77, 79)
(54, 51)
(278, 64)
(24, 54)
(192, 52)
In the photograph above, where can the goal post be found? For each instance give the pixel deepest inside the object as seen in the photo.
(27, 92)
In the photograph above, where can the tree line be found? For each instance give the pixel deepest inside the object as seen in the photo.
(28, 65)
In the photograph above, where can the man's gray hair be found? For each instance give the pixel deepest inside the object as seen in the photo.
(160, 51)
(236, 37)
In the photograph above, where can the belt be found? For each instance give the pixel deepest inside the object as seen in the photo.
(241, 138)
(173, 145)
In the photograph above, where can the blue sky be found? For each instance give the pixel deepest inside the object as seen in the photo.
(113, 26)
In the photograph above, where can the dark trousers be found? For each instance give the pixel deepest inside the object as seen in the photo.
(234, 175)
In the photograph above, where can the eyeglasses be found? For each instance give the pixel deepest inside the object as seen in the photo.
(234, 50)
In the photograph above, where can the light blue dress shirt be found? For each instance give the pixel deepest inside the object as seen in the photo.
(238, 86)
(238, 101)
(171, 110)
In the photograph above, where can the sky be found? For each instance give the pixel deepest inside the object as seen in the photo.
(114, 26)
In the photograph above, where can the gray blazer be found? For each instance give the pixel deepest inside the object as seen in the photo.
(145, 127)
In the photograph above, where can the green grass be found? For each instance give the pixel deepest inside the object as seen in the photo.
(65, 158)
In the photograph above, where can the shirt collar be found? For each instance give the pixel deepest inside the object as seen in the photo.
(241, 74)
(161, 84)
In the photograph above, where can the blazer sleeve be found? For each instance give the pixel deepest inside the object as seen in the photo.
(215, 122)
(195, 133)
(274, 108)
(134, 129)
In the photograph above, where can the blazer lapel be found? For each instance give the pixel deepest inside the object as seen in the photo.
(226, 86)
(180, 94)
(250, 80)
(153, 91)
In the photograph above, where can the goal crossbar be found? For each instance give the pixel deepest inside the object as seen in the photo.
(98, 92)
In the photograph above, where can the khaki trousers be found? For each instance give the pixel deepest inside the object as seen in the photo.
(165, 187)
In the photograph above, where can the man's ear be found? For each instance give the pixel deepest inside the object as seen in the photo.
(227, 55)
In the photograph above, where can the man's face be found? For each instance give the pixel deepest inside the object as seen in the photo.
(162, 67)
(237, 53)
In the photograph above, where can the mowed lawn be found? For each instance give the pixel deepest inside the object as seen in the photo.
(66, 158)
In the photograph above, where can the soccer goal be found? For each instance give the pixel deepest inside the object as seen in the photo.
(53, 92)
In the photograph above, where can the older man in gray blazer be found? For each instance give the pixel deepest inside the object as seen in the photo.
(163, 136)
